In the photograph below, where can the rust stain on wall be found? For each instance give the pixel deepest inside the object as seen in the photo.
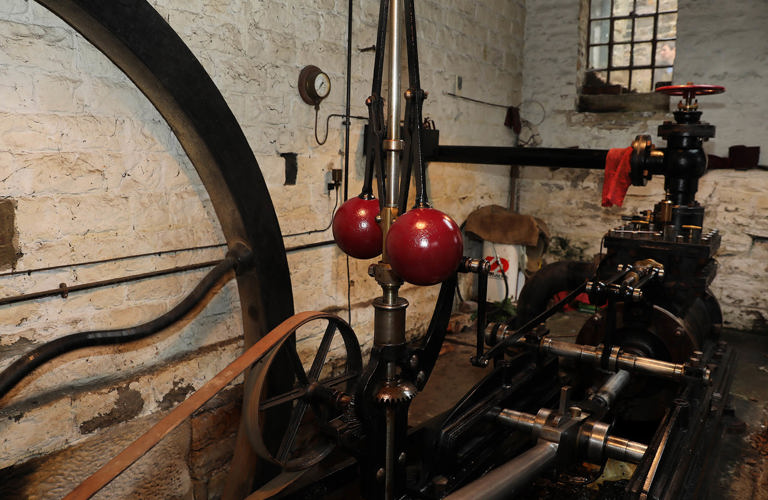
(9, 241)
(175, 395)
(128, 405)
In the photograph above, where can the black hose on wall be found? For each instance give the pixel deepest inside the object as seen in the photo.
(48, 351)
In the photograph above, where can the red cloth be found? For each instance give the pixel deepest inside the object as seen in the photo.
(617, 179)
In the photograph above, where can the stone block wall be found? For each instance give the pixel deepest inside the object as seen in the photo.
(94, 185)
(716, 44)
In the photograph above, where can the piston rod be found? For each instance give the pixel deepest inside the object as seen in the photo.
(617, 360)
(507, 479)
(607, 394)
(597, 443)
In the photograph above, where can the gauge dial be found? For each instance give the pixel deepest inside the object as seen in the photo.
(314, 85)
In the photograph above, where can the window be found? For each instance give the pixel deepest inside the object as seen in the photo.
(631, 45)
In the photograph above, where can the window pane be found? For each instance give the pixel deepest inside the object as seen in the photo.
(620, 78)
(667, 26)
(621, 55)
(622, 7)
(598, 57)
(622, 30)
(665, 5)
(600, 31)
(662, 76)
(643, 29)
(600, 77)
(645, 7)
(641, 54)
(641, 80)
(665, 53)
(600, 8)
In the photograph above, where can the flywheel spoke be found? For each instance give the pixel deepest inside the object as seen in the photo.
(300, 392)
(282, 398)
(322, 352)
(340, 379)
(297, 415)
(298, 368)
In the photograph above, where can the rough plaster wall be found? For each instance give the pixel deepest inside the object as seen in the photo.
(95, 174)
(717, 45)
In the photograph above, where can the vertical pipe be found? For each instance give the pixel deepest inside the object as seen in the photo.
(482, 299)
(347, 105)
(346, 142)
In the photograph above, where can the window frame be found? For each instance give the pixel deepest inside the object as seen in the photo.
(632, 68)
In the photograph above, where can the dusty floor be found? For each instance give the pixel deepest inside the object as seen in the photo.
(743, 461)
(743, 470)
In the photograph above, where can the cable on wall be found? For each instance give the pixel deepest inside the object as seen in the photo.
(326, 228)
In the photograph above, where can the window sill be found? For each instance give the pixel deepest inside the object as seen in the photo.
(611, 103)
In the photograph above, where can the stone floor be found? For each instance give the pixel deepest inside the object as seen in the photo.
(743, 461)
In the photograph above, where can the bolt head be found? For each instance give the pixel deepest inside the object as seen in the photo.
(413, 361)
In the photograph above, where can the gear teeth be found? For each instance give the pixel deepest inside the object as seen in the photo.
(395, 393)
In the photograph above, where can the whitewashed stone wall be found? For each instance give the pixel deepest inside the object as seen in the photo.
(95, 173)
(717, 44)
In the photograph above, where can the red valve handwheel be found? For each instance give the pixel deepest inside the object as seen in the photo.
(690, 90)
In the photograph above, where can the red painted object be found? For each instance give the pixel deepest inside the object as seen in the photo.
(690, 90)
(424, 246)
(355, 229)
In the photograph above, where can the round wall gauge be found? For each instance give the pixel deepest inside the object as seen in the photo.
(314, 85)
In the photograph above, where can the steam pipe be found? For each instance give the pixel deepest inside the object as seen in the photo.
(540, 157)
(48, 351)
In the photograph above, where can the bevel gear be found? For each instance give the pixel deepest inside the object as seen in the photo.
(393, 393)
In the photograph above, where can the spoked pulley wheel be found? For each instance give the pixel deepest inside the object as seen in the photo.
(288, 420)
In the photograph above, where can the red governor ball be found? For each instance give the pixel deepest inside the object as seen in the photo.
(355, 229)
(424, 246)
